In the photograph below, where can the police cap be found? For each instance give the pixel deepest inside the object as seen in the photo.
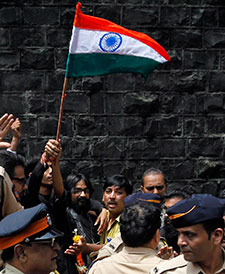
(26, 225)
(195, 210)
(140, 197)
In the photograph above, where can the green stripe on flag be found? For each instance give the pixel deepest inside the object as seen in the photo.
(93, 64)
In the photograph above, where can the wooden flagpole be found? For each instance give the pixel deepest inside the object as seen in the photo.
(61, 108)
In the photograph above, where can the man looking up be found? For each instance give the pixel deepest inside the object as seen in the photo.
(153, 181)
(199, 221)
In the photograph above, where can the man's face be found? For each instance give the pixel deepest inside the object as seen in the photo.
(113, 198)
(81, 196)
(47, 176)
(41, 258)
(195, 244)
(154, 183)
(18, 179)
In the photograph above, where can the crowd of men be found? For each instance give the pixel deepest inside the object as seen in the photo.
(51, 225)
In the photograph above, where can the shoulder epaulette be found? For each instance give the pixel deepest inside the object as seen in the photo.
(169, 265)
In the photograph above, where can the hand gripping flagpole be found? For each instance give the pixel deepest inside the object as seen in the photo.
(61, 108)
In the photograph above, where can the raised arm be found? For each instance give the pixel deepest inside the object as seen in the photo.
(6, 122)
(53, 152)
(16, 135)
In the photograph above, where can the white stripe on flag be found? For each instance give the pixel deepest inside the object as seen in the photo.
(87, 41)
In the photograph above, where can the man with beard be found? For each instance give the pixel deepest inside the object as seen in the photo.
(76, 210)
(199, 221)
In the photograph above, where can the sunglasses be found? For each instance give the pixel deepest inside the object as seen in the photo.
(151, 188)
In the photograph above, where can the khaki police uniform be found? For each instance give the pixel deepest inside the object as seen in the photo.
(178, 265)
(7, 198)
(9, 269)
(131, 260)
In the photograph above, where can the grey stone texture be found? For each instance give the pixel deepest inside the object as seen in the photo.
(120, 123)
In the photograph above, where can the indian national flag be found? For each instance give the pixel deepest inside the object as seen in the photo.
(99, 47)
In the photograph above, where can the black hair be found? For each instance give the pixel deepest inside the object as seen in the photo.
(119, 180)
(176, 194)
(30, 165)
(73, 179)
(213, 224)
(8, 254)
(153, 171)
(139, 223)
(10, 160)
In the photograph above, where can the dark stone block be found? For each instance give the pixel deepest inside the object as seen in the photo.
(109, 148)
(37, 59)
(61, 58)
(97, 103)
(14, 104)
(189, 81)
(205, 147)
(169, 126)
(215, 125)
(113, 103)
(194, 126)
(213, 39)
(90, 126)
(9, 60)
(29, 130)
(9, 16)
(136, 15)
(36, 103)
(58, 37)
(204, 17)
(4, 37)
(80, 147)
(210, 188)
(92, 84)
(175, 16)
(47, 126)
(143, 149)
(41, 16)
(217, 81)
(28, 37)
(207, 60)
(120, 82)
(111, 12)
(208, 169)
(221, 11)
(132, 126)
(212, 103)
(76, 103)
(55, 81)
(181, 38)
(52, 103)
(178, 169)
(172, 148)
(138, 103)
(67, 16)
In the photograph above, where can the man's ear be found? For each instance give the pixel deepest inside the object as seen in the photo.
(20, 252)
(142, 188)
(217, 236)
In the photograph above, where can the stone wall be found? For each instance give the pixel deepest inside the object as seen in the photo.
(120, 123)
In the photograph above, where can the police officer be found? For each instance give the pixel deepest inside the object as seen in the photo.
(29, 242)
(199, 221)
